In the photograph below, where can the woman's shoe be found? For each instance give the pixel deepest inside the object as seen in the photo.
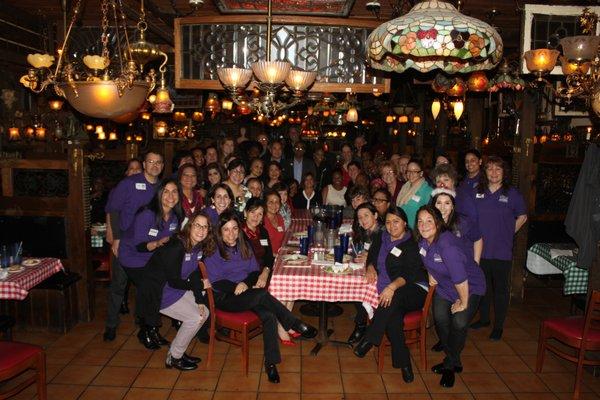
(284, 342)
(124, 309)
(272, 373)
(294, 334)
(407, 374)
(362, 348)
(179, 363)
(305, 329)
(438, 347)
(357, 334)
(158, 339)
(447, 380)
(146, 339)
(191, 359)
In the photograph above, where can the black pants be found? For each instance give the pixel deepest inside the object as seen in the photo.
(116, 292)
(452, 328)
(361, 317)
(390, 320)
(497, 279)
(145, 310)
(268, 309)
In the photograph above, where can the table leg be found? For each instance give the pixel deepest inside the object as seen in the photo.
(324, 333)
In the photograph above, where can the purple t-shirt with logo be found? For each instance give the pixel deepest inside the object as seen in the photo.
(144, 229)
(469, 185)
(497, 214)
(189, 264)
(235, 269)
(447, 262)
(387, 245)
(131, 194)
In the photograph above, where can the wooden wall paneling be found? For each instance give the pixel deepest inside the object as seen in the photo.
(476, 113)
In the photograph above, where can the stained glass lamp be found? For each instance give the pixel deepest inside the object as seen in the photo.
(434, 35)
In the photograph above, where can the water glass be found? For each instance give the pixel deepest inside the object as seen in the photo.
(16, 253)
(310, 229)
(344, 242)
(304, 245)
(331, 238)
(4, 257)
(338, 254)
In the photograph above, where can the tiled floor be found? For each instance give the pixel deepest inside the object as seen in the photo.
(82, 366)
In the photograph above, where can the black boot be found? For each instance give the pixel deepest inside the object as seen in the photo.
(146, 339)
(110, 334)
(157, 338)
(438, 347)
(407, 374)
(362, 348)
(357, 334)
(272, 373)
(191, 359)
(124, 308)
(304, 329)
(179, 363)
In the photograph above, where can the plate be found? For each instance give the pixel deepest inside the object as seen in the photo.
(294, 257)
(339, 269)
(15, 268)
(330, 257)
(31, 262)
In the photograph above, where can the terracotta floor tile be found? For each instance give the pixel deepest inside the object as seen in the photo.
(64, 392)
(507, 363)
(394, 384)
(103, 393)
(365, 396)
(74, 340)
(233, 361)
(324, 382)
(494, 396)
(524, 382)
(236, 382)
(561, 382)
(60, 355)
(451, 396)
(488, 347)
(116, 376)
(536, 396)
(289, 383)
(432, 381)
(523, 347)
(582, 396)
(362, 383)
(328, 350)
(323, 396)
(159, 378)
(290, 363)
(132, 343)
(91, 355)
(198, 380)
(476, 364)
(77, 374)
(157, 359)
(234, 395)
(484, 383)
(98, 341)
(216, 364)
(320, 363)
(147, 394)
(278, 396)
(408, 396)
(52, 370)
(551, 363)
(355, 364)
(130, 358)
(190, 395)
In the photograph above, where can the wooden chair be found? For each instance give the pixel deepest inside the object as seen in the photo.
(15, 358)
(580, 332)
(242, 326)
(415, 328)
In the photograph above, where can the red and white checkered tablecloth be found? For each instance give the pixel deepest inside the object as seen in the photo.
(16, 286)
(315, 284)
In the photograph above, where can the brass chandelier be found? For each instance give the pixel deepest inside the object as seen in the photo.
(102, 89)
(271, 78)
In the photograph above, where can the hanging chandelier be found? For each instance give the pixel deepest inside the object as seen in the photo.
(434, 35)
(271, 79)
(107, 87)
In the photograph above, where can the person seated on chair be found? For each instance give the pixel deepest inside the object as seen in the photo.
(395, 265)
(233, 272)
(175, 267)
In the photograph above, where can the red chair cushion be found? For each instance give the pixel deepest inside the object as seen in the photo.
(572, 327)
(13, 353)
(413, 318)
(236, 318)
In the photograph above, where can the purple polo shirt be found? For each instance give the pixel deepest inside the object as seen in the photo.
(468, 233)
(446, 261)
(469, 185)
(497, 214)
(465, 205)
(383, 279)
(213, 215)
(235, 269)
(143, 229)
(131, 194)
(171, 295)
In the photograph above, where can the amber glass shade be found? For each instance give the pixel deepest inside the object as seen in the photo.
(580, 48)
(477, 82)
(540, 60)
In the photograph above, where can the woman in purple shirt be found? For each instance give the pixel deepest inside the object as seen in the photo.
(220, 199)
(174, 268)
(152, 227)
(233, 272)
(394, 264)
(460, 286)
(502, 212)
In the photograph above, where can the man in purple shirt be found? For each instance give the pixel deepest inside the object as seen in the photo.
(127, 197)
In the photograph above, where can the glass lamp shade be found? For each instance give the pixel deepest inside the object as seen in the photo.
(272, 72)
(477, 82)
(100, 99)
(569, 67)
(458, 89)
(126, 118)
(300, 80)
(540, 60)
(14, 134)
(352, 115)
(459, 107)
(580, 48)
(163, 103)
(234, 77)
(436, 106)
(403, 119)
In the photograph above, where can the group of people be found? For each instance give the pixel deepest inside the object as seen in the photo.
(230, 208)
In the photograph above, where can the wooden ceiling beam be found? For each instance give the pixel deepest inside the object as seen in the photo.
(133, 13)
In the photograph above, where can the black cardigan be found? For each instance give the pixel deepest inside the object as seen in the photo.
(267, 259)
(408, 265)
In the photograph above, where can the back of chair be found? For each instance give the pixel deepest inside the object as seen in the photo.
(592, 315)
(426, 308)
(210, 295)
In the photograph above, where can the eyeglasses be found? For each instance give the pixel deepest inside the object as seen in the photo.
(376, 200)
(198, 226)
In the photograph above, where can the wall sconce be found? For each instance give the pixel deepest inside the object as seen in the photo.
(436, 106)
(459, 107)
(14, 134)
(390, 118)
(403, 119)
(40, 133)
(416, 119)
(89, 127)
(29, 132)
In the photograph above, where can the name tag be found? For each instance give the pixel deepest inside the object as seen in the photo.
(437, 258)
(503, 199)
(279, 229)
(140, 186)
(396, 251)
(416, 198)
(264, 242)
(479, 195)
(172, 226)
(367, 246)
(153, 232)
(199, 256)
(188, 257)
(423, 252)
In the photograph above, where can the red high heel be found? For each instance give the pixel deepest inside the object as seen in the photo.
(284, 342)
(294, 335)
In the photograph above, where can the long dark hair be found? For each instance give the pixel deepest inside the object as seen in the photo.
(155, 205)
(359, 234)
(483, 180)
(208, 245)
(440, 226)
(224, 186)
(242, 245)
(453, 218)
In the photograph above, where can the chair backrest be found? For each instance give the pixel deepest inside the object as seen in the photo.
(426, 308)
(210, 295)
(592, 315)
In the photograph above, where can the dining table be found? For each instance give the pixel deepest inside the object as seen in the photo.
(558, 258)
(17, 284)
(313, 280)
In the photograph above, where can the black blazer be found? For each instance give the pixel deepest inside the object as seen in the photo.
(408, 265)
(267, 259)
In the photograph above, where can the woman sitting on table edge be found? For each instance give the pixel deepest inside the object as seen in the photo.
(394, 264)
(233, 272)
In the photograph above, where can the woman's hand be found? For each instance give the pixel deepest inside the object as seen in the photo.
(240, 288)
(115, 247)
(361, 258)
(385, 298)
(432, 281)
(262, 279)
(458, 306)
(371, 274)
(206, 284)
(163, 240)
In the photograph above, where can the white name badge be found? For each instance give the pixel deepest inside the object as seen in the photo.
(479, 195)
(503, 199)
(367, 246)
(188, 257)
(279, 229)
(153, 232)
(423, 252)
(437, 258)
(416, 198)
(199, 257)
(140, 186)
(172, 226)
(396, 251)
(264, 242)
